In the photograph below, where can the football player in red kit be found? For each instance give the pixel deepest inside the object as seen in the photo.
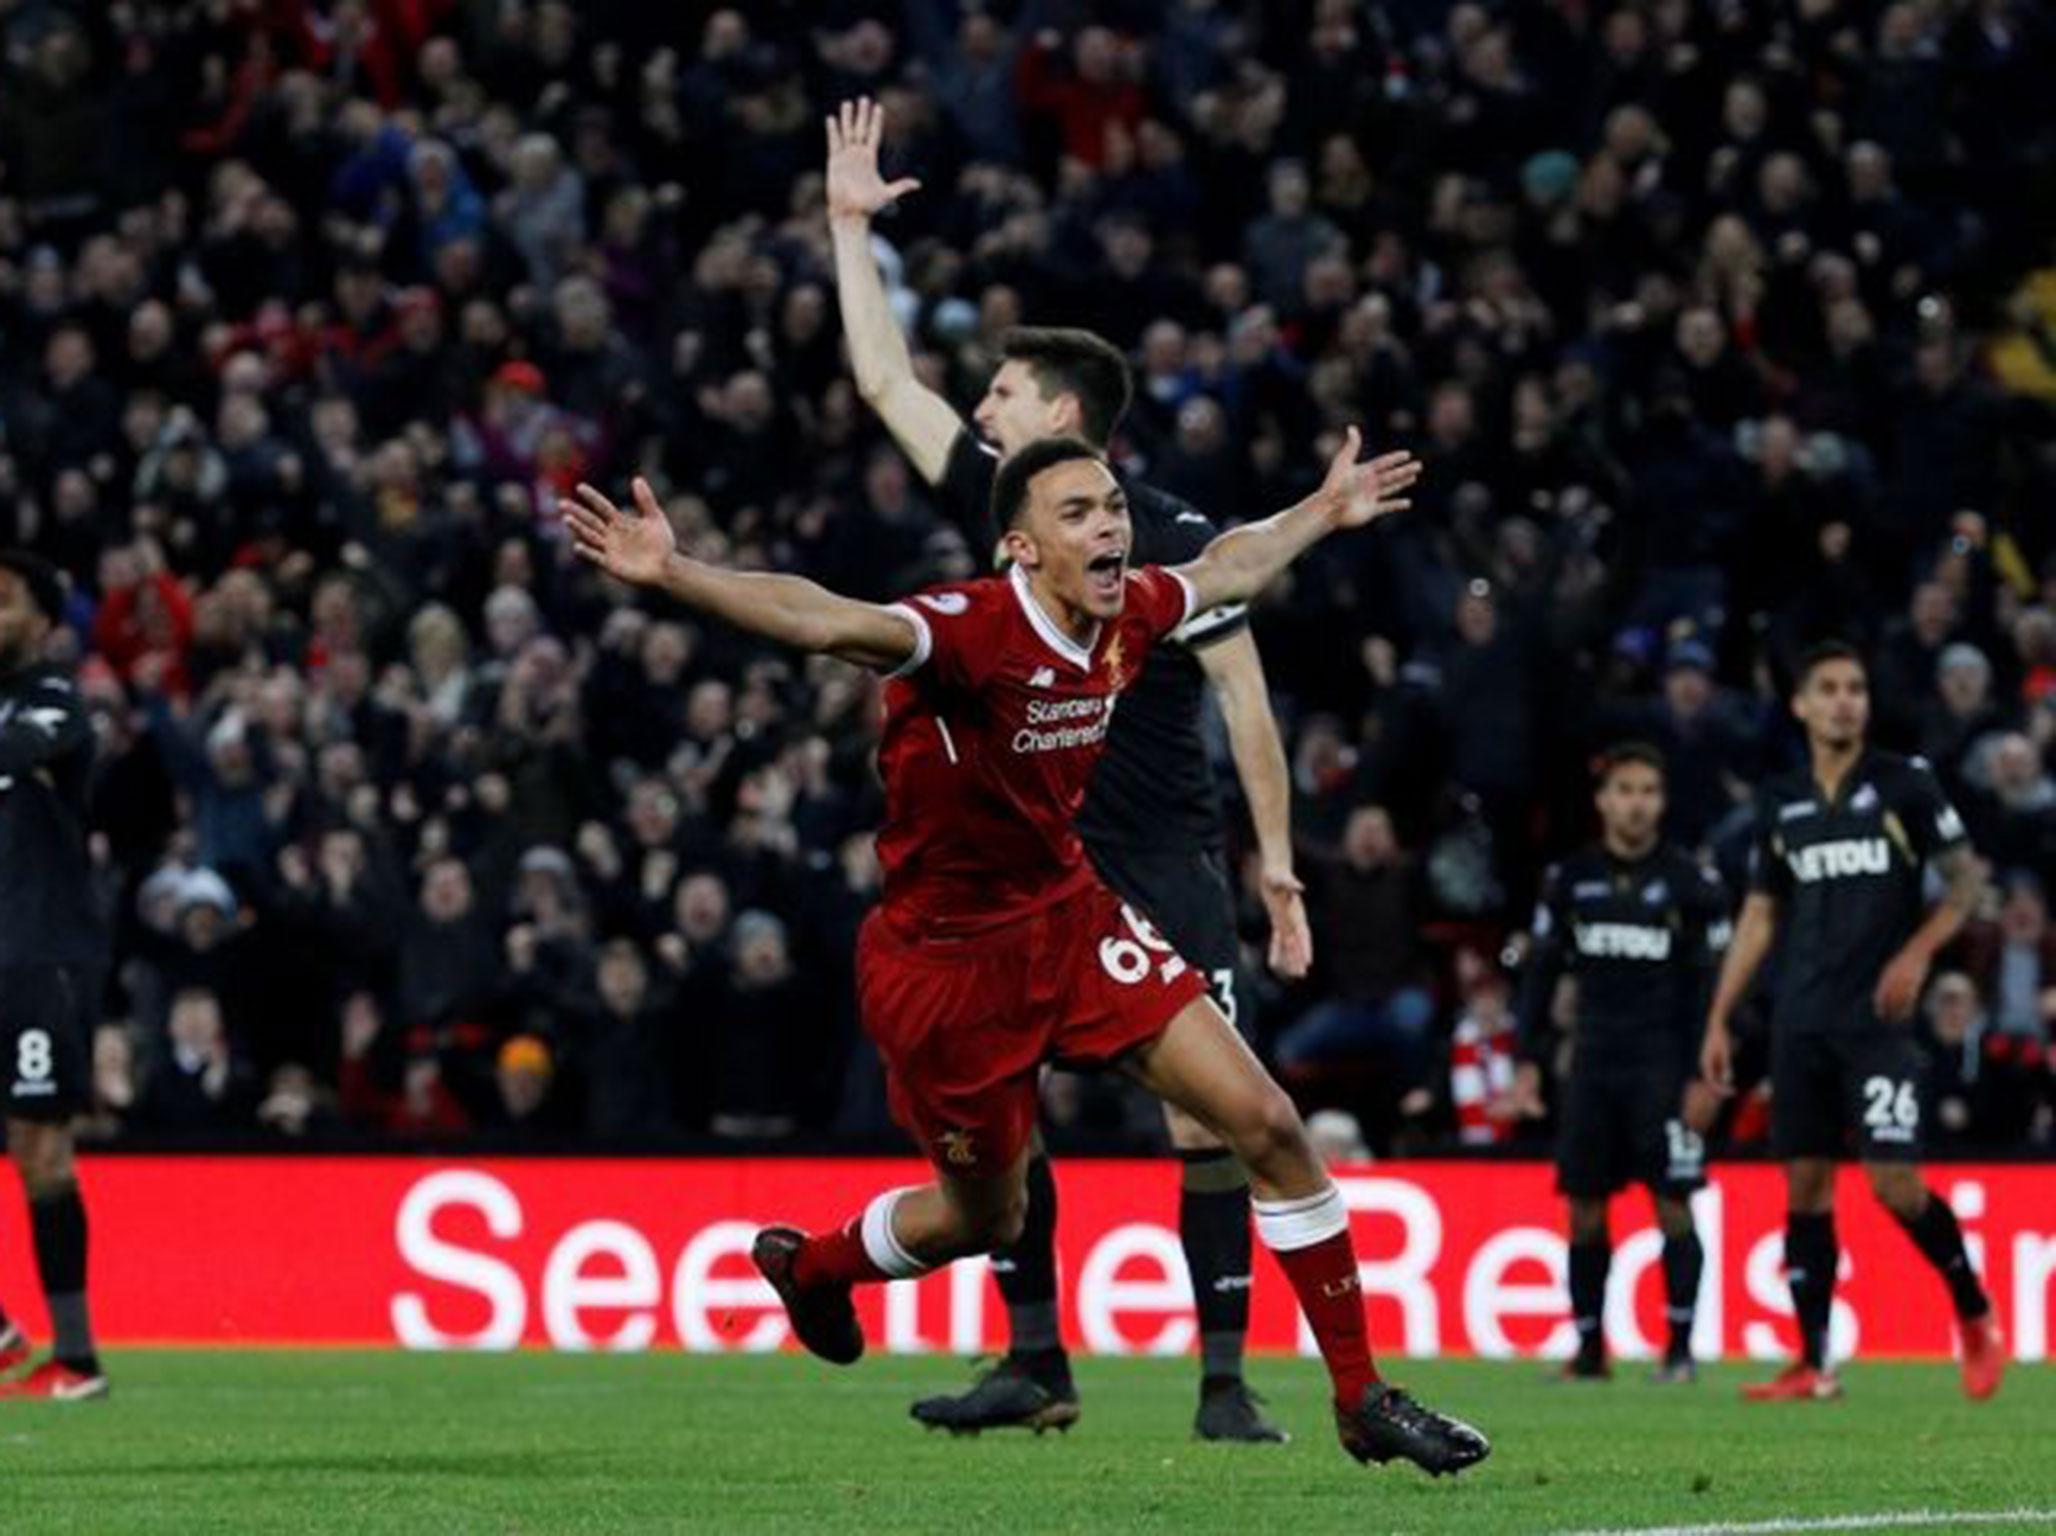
(996, 948)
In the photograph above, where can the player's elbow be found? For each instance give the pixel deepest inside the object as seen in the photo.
(874, 386)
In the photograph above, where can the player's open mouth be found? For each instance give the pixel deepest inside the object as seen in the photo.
(1103, 573)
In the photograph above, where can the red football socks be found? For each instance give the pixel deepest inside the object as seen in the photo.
(865, 1250)
(1311, 1240)
(836, 1258)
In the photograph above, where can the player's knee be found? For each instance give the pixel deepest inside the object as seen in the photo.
(1005, 1222)
(1270, 1131)
(42, 1156)
(1898, 1189)
(1810, 1187)
(1588, 1220)
(1674, 1218)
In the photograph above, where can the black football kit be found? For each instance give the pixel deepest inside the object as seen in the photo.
(1642, 938)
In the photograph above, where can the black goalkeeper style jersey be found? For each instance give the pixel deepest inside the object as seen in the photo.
(1847, 874)
(1642, 937)
(1153, 787)
(49, 914)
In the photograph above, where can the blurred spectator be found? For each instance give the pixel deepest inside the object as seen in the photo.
(762, 1062)
(2013, 813)
(198, 1085)
(622, 1036)
(1367, 913)
(1484, 1054)
(1953, 1042)
(2012, 963)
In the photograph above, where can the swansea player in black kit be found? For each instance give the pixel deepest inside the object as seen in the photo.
(1639, 924)
(1151, 821)
(53, 952)
(1840, 852)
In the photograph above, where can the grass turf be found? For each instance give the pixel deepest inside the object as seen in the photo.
(368, 1442)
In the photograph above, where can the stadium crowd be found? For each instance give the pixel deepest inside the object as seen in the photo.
(1722, 328)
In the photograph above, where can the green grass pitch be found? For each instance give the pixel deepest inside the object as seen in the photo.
(372, 1442)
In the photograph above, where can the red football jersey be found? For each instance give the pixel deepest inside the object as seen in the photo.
(991, 733)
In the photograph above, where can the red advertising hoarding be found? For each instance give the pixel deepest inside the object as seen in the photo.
(1458, 1258)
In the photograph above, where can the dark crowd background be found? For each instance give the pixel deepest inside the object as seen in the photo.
(1722, 327)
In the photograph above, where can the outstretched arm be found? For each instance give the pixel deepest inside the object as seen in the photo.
(639, 546)
(1242, 562)
(920, 421)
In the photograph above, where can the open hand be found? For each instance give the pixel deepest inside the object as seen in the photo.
(1292, 939)
(855, 189)
(1363, 493)
(1717, 1060)
(633, 546)
(1898, 988)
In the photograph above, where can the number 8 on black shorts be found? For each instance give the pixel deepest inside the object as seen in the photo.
(46, 1040)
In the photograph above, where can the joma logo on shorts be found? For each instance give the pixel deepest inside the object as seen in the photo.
(1839, 860)
(1623, 941)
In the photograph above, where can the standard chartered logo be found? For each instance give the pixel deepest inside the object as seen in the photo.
(1840, 859)
(1074, 722)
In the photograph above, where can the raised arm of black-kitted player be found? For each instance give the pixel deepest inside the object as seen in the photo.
(48, 724)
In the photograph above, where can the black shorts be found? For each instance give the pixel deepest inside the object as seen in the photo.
(1186, 897)
(1830, 1093)
(47, 1016)
(1621, 1125)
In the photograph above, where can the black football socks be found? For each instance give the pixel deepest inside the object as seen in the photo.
(1683, 1260)
(57, 1219)
(1940, 1240)
(1213, 1223)
(1026, 1271)
(1811, 1258)
(1591, 1258)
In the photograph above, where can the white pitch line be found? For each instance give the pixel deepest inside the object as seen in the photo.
(1896, 1520)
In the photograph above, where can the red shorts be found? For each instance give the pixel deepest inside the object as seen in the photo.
(964, 1025)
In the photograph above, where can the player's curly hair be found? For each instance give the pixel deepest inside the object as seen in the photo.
(1069, 361)
(1010, 485)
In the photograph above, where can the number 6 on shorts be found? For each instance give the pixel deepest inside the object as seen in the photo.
(1128, 959)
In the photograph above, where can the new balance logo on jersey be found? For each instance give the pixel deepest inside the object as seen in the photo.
(1623, 941)
(1841, 859)
(1045, 677)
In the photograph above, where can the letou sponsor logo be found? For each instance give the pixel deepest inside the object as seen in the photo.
(631, 1254)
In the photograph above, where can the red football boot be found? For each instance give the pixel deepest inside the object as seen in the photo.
(1795, 1384)
(1983, 1356)
(55, 1383)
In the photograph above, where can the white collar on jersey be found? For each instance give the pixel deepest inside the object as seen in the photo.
(1071, 651)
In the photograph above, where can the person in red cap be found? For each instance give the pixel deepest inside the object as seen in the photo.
(53, 952)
